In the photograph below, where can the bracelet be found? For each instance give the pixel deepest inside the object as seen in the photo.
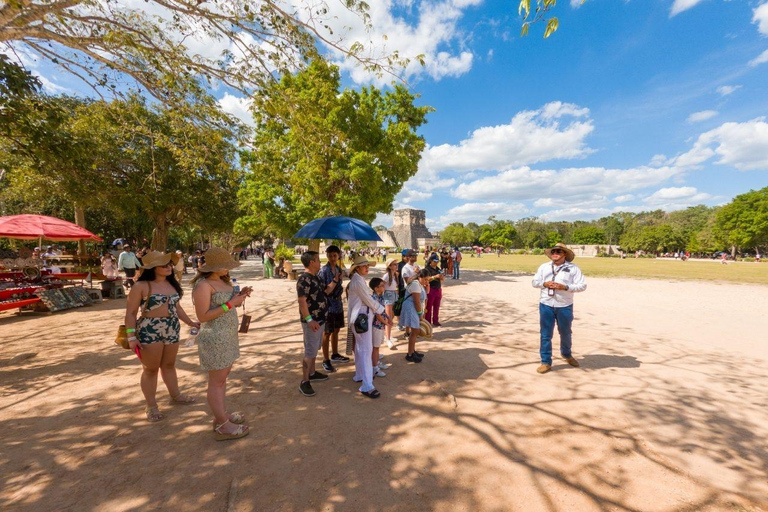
(129, 331)
(419, 313)
(226, 307)
(132, 338)
(308, 318)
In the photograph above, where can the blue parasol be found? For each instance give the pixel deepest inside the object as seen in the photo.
(118, 241)
(338, 228)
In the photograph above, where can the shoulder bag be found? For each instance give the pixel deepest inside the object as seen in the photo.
(122, 336)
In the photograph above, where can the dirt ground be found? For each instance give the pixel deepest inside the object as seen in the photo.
(669, 411)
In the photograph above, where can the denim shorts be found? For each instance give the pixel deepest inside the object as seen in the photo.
(390, 297)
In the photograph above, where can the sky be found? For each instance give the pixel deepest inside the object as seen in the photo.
(629, 106)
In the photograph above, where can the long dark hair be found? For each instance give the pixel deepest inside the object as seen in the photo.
(148, 274)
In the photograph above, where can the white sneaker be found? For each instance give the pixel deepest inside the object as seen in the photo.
(383, 366)
(377, 372)
(381, 356)
(391, 344)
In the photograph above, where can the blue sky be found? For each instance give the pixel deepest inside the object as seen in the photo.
(631, 105)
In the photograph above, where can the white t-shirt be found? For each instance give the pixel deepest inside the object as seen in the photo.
(408, 272)
(390, 286)
(415, 287)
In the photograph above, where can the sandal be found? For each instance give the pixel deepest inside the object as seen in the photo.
(240, 431)
(153, 413)
(183, 400)
(372, 394)
(237, 418)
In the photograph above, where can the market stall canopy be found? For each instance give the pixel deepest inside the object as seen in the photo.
(338, 228)
(35, 227)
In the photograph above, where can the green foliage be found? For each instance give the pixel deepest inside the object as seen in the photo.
(743, 222)
(498, 233)
(320, 151)
(282, 251)
(457, 235)
(590, 235)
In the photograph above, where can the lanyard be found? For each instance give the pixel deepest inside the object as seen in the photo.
(550, 291)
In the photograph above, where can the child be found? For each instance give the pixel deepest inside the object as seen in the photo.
(378, 286)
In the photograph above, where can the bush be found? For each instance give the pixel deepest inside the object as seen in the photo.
(537, 252)
(281, 251)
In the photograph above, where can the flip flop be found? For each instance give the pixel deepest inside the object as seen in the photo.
(372, 394)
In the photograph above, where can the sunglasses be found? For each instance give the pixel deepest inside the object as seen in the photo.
(557, 251)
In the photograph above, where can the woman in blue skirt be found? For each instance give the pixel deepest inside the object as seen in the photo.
(413, 309)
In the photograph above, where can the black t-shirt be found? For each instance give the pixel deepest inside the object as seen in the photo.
(400, 282)
(312, 288)
(435, 283)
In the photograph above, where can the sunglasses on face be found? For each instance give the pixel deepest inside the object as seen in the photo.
(557, 251)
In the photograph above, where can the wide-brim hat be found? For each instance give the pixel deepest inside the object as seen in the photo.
(218, 259)
(359, 261)
(425, 329)
(158, 259)
(390, 261)
(569, 255)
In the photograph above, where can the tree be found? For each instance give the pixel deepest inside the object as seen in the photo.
(100, 41)
(498, 233)
(744, 221)
(540, 14)
(590, 235)
(320, 151)
(532, 233)
(457, 235)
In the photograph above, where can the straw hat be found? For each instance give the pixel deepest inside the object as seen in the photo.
(359, 261)
(390, 261)
(158, 259)
(218, 259)
(425, 329)
(569, 255)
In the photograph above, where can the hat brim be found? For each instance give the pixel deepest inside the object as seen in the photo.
(389, 262)
(167, 258)
(362, 264)
(569, 254)
(229, 265)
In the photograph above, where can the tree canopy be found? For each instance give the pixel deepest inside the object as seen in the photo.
(318, 151)
(744, 221)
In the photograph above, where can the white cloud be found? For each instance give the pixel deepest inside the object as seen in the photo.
(434, 34)
(409, 196)
(576, 213)
(531, 136)
(741, 145)
(575, 4)
(760, 18)
(725, 90)
(697, 117)
(576, 184)
(383, 219)
(682, 5)
(760, 59)
(665, 195)
(238, 107)
(623, 198)
(479, 212)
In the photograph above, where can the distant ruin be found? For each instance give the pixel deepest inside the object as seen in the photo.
(409, 231)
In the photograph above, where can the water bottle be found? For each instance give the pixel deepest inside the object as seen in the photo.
(192, 337)
(235, 286)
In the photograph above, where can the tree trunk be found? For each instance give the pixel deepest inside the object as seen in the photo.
(314, 245)
(733, 252)
(80, 221)
(160, 234)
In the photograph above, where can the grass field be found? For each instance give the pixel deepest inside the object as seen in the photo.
(643, 268)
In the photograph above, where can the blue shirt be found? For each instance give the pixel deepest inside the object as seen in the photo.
(335, 304)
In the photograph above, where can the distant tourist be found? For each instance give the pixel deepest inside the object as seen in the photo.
(313, 310)
(558, 279)
(361, 303)
(332, 276)
(390, 279)
(179, 269)
(218, 345)
(456, 257)
(269, 263)
(108, 265)
(128, 262)
(157, 331)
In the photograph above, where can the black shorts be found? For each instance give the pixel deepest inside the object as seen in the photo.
(334, 322)
(129, 272)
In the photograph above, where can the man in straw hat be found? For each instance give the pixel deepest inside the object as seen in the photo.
(558, 279)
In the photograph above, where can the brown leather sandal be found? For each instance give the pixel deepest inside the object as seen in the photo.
(240, 431)
(153, 413)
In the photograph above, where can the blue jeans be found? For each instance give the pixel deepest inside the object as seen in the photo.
(456, 266)
(548, 316)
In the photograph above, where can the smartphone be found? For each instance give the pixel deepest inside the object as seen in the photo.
(138, 351)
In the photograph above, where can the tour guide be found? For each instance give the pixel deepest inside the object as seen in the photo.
(559, 280)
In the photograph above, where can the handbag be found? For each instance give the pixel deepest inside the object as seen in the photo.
(245, 324)
(121, 339)
(361, 323)
(397, 307)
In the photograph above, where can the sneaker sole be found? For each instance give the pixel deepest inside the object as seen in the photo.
(305, 394)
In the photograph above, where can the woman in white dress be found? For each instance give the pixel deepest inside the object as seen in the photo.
(108, 265)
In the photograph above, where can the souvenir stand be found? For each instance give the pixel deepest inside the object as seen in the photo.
(25, 283)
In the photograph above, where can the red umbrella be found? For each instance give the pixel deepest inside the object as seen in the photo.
(34, 227)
